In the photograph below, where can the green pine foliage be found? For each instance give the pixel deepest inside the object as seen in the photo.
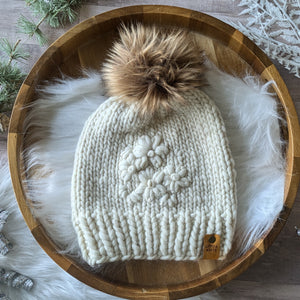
(11, 77)
(13, 51)
(28, 27)
(55, 13)
(58, 12)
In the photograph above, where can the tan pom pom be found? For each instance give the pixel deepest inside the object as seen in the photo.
(153, 67)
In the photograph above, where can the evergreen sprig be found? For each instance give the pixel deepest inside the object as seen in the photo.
(13, 51)
(11, 78)
(55, 13)
(28, 27)
(59, 12)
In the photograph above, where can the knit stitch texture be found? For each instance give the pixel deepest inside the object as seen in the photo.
(152, 188)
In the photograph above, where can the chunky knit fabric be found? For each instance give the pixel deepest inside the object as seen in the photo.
(152, 188)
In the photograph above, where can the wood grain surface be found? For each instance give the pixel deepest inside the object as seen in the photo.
(279, 266)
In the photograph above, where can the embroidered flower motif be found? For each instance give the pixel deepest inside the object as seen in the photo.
(129, 165)
(151, 149)
(150, 186)
(145, 176)
(145, 151)
(175, 178)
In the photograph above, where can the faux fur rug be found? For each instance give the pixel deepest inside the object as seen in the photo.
(251, 120)
(28, 258)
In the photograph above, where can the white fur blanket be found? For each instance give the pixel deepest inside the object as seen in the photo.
(251, 120)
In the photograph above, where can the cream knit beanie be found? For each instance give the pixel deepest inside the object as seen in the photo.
(154, 178)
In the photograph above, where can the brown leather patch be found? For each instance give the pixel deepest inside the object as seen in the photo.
(211, 246)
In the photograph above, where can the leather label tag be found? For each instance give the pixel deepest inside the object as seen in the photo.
(211, 246)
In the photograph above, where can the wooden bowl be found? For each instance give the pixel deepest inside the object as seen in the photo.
(85, 45)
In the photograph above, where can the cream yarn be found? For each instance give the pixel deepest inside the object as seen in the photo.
(153, 187)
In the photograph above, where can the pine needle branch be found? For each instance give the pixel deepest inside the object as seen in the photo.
(42, 19)
(30, 2)
(13, 51)
(55, 13)
(28, 27)
(11, 78)
(60, 12)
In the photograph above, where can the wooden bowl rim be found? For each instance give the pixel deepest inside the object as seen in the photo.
(208, 282)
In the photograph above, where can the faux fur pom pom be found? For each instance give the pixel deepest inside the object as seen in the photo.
(152, 67)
